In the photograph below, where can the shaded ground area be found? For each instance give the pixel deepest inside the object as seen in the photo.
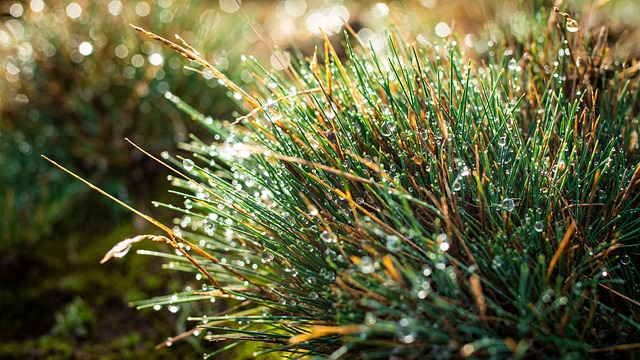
(59, 302)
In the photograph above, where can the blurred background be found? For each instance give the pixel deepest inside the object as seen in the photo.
(75, 80)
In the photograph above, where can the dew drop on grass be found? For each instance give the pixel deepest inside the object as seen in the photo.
(326, 237)
(496, 263)
(457, 185)
(513, 64)
(538, 226)
(267, 256)
(625, 259)
(366, 265)
(188, 164)
(444, 246)
(405, 332)
(273, 113)
(561, 165)
(393, 243)
(209, 227)
(508, 204)
(388, 128)
(359, 200)
(572, 25)
(502, 141)
(330, 114)
(604, 272)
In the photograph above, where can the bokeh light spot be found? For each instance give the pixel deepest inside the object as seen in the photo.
(74, 10)
(85, 48)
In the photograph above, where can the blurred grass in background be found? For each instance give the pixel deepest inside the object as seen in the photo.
(77, 80)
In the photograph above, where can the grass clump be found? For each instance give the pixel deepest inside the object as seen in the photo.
(416, 203)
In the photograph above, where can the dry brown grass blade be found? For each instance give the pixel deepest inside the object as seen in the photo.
(561, 247)
(318, 331)
(625, 347)
(123, 245)
(476, 288)
(197, 57)
(634, 302)
(392, 271)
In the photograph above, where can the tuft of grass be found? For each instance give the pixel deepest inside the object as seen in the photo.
(417, 203)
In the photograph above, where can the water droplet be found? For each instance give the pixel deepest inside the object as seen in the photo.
(561, 165)
(188, 164)
(327, 237)
(173, 308)
(326, 274)
(273, 113)
(169, 342)
(502, 141)
(393, 243)
(209, 227)
(370, 319)
(538, 226)
(513, 64)
(496, 263)
(330, 114)
(388, 128)
(572, 25)
(456, 185)
(313, 295)
(444, 246)
(426, 271)
(267, 256)
(625, 259)
(360, 200)
(366, 265)
(508, 204)
(405, 331)
(312, 210)
(563, 300)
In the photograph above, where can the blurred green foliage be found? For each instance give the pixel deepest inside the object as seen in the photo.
(79, 80)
